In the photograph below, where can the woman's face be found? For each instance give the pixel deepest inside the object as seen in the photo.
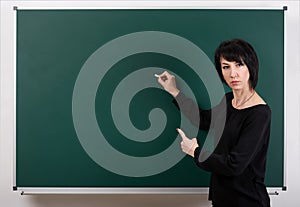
(235, 74)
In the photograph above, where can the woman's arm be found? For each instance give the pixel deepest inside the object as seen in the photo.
(253, 137)
(198, 117)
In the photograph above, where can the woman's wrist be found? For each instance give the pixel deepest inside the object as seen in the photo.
(193, 148)
(174, 93)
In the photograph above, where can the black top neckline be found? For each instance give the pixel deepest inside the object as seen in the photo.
(229, 102)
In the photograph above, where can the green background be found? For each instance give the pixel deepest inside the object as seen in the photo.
(53, 45)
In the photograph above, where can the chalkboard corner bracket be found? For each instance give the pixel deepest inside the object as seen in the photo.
(15, 8)
(15, 188)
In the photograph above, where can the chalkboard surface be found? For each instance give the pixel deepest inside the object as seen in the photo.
(89, 112)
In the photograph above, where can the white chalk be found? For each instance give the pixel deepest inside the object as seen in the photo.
(156, 75)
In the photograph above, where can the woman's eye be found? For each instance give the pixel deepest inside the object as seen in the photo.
(240, 65)
(225, 67)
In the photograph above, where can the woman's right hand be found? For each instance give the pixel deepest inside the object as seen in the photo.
(168, 82)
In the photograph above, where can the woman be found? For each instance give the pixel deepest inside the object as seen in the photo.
(238, 163)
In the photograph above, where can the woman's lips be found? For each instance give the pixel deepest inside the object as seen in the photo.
(234, 82)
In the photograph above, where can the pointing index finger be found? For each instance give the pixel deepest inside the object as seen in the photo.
(181, 133)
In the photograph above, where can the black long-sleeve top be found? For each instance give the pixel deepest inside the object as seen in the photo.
(238, 162)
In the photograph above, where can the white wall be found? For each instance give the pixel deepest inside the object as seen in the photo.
(290, 198)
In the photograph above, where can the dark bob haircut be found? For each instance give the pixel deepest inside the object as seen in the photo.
(239, 51)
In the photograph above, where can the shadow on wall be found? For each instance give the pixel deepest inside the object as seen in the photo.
(120, 200)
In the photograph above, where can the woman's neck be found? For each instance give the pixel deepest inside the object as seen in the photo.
(241, 97)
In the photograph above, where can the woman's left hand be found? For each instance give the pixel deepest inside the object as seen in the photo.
(188, 145)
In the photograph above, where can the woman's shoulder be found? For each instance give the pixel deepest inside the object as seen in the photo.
(259, 103)
(258, 108)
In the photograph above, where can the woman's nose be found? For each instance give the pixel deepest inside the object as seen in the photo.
(233, 72)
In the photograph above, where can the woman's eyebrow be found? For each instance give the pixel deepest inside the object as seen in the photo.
(224, 63)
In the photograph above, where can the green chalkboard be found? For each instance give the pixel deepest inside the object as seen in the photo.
(89, 112)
